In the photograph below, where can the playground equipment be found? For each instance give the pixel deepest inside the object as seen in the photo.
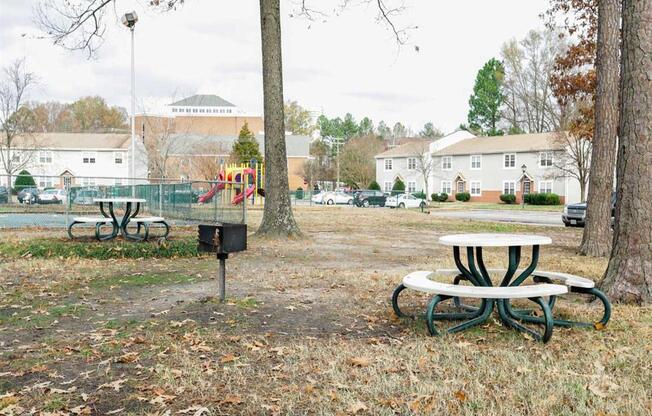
(239, 181)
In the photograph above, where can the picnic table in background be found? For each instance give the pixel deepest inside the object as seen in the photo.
(120, 225)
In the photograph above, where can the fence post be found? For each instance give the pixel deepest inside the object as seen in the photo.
(160, 199)
(245, 179)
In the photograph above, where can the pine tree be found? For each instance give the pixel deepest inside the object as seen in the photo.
(484, 104)
(246, 147)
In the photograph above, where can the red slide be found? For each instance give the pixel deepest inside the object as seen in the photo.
(238, 198)
(211, 193)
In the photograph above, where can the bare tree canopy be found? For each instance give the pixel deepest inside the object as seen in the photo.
(15, 118)
(575, 159)
(529, 105)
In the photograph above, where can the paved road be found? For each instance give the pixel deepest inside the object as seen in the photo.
(32, 220)
(513, 216)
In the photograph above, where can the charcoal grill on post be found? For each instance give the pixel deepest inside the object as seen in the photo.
(222, 239)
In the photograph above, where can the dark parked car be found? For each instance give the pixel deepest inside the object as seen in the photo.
(4, 195)
(367, 198)
(28, 196)
(575, 214)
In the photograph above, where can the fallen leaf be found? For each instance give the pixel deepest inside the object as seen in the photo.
(602, 388)
(81, 410)
(460, 395)
(129, 357)
(228, 358)
(231, 399)
(359, 362)
(115, 385)
(598, 326)
(195, 410)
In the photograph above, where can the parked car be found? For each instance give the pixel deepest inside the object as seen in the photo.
(575, 214)
(4, 195)
(28, 196)
(339, 197)
(318, 198)
(405, 201)
(52, 196)
(86, 196)
(367, 198)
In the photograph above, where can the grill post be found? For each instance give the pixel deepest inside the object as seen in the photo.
(221, 276)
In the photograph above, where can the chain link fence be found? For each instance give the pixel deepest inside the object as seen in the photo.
(48, 201)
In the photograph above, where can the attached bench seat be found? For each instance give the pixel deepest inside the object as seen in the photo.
(146, 222)
(98, 222)
(421, 281)
(576, 284)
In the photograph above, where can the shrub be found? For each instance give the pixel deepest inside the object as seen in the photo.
(463, 196)
(542, 199)
(399, 186)
(298, 194)
(420, 194)
(373, 186)
(23, 180)
(508, 198)
(442, 197)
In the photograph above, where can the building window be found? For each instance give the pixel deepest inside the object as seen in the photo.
(545, 159)
(509, 187)
(118, 157)
(201, 110)
(174, 110)
(15, 157)
(476, 162)
(187, 110)
(194, 110)
(88, 157)
(88, 181)
(45, 157)
(388, 186)
(228, 111)
(446, 162)
(389, 164)
(412, 187)
(509, 160)
(446, 187)
(545, 187)
(475, 188)
(412, 163)
(45, 182)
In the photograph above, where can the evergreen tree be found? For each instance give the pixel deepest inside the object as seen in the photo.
(24, 179)
(246, 147)
(374, 186)
(399, 186)
(484, 104)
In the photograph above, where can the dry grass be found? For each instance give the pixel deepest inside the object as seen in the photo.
(308, 329)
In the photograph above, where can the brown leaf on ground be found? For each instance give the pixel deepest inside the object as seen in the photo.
(460, 395)
(360, 362)
(228, 358)
(129, 357)
(233, 399)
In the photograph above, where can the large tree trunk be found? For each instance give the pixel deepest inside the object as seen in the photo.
(629, 274)
(277, 215)
(597, 237)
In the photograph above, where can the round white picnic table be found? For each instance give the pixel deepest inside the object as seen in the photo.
(477, 273)
(494, 240)
(128, 215)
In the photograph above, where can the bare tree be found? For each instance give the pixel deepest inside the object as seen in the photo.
(629, 274)
(15, 120)
(357, 163)
(574, 160)
(79, 25)
(207, 162)
(530, 105)
(425, 162)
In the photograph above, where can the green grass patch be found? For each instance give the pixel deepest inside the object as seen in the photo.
(55, 248)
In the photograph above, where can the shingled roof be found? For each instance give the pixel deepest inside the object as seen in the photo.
(502, 144)
(200, 100)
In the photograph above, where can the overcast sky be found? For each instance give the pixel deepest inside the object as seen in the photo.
(350, 63)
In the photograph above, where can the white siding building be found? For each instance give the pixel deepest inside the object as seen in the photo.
(86, 158)
(404, 162)
(487, 167)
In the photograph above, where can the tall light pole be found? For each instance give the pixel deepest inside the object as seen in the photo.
(129, 20)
